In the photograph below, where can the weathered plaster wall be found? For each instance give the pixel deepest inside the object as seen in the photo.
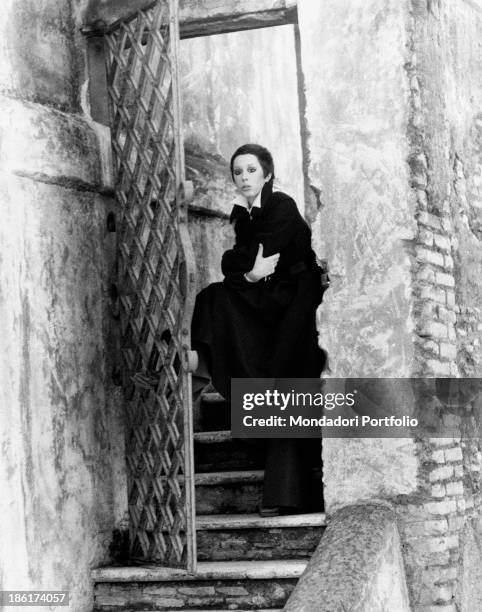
(61, 437)
(237, 88)
(394, 150)
(357, 106)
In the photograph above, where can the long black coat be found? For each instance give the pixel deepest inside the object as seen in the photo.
(264, 329)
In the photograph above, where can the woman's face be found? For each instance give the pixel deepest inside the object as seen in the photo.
(248, 176)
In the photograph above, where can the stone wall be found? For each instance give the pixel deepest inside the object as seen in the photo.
(394, 150)
(61, 433)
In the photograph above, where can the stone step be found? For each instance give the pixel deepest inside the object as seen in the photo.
(250, 585)
(223, 492)
(216, 451)
(234, 492)
(236, 537)
(251, 521)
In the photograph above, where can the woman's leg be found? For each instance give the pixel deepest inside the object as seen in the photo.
(288, 479)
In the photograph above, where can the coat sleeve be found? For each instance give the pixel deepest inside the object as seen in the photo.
(275, 233)
(235, 263)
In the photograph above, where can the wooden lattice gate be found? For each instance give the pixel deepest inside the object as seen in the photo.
(156, 282)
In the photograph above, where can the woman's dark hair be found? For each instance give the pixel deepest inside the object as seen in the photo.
(264, 157)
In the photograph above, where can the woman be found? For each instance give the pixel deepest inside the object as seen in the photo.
(261, 320)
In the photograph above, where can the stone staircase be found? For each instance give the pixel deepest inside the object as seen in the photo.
(245, 562)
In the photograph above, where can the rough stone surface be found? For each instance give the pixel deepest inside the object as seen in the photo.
(366, 468)
(357, 566)
(232, 594)
(260, 543)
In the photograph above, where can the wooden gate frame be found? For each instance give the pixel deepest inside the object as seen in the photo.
(157, 282)
(198, 18)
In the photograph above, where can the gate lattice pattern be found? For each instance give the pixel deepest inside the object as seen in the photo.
(155, 295)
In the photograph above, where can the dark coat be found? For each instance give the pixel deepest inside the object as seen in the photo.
(264, 329)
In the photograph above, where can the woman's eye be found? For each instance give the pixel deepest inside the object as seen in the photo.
(251, 169)
(237, 172)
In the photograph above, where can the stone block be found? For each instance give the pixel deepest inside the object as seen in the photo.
(438, 456)
(448, 351)
(428, 256)
(448, 262)
(349, 478)
(438, 368)
(426, 528)
(441, 278)
(433, 329)
(437, 294)
(430, 220)
(455, 488)
(425, 237)
(425, 273)
(438, 490)
(453, 454)
(442, 242)
(450, 298)
(441, 507)
(444, 472)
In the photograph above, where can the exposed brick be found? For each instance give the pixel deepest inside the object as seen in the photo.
(436, 575)
(453, 454)
(456, 522)
(437, 294)
(441, 507)
(448, 262)
(433, 329)
(458, 471)
(450, 298)
(442, 242)
(445, 314)
(443, 472)
(425, 236)
(425, 273)
(427, 256)
(437, 594)
(448, 351)
(432, 527)
(438, 368)
(441, 278)
(443, 543)
(455, 488)
(438, 456)
(430, 220)
(438, 490)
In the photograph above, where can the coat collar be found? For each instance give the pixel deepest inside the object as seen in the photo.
(240, 212)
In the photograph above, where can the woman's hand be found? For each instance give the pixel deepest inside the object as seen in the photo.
(263, 266)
